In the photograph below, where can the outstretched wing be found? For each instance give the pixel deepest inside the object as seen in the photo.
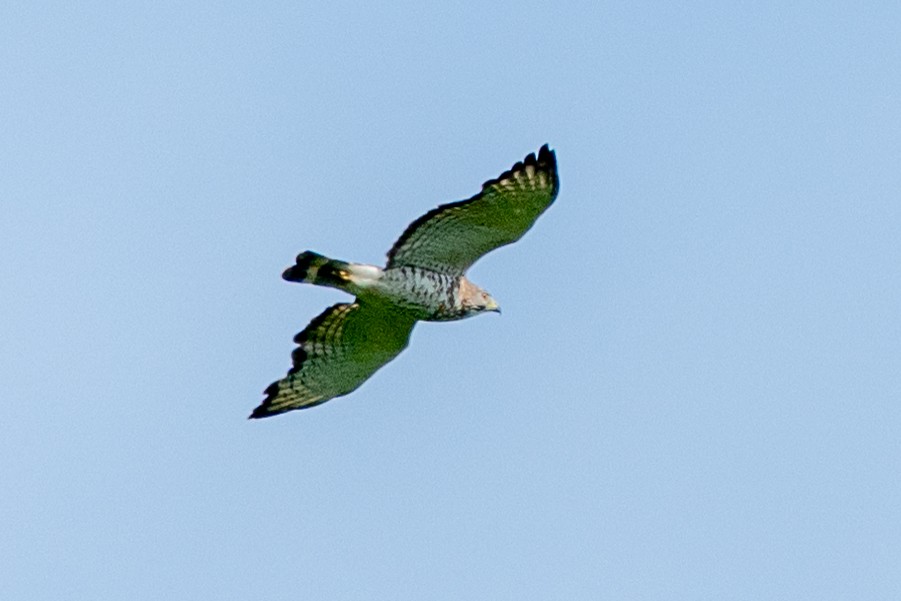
(337, 352)
(450, 238)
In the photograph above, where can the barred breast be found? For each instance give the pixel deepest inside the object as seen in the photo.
(431, 295)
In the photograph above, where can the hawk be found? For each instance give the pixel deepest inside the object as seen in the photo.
(424, 279)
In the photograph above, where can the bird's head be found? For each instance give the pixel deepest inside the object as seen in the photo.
(475, 300)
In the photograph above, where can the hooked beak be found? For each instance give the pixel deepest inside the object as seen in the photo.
(493, 306)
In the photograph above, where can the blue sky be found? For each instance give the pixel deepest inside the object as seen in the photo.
(693, 391)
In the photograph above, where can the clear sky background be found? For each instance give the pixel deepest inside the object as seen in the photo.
(693, 391)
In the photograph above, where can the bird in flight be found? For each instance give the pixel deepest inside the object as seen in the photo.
(424, 279)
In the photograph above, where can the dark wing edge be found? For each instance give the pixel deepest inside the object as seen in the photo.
(271, 404)
(546, 161)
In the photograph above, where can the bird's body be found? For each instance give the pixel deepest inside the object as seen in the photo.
(433, 296)
(424, 294)
(424, 280)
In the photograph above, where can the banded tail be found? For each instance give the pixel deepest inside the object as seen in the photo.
(313, 268)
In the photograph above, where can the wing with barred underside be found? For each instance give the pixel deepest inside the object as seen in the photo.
(453, 236)
(336, 353)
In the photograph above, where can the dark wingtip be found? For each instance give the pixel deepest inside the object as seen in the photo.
(546, 161)
(546, 156)
(264, 409)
